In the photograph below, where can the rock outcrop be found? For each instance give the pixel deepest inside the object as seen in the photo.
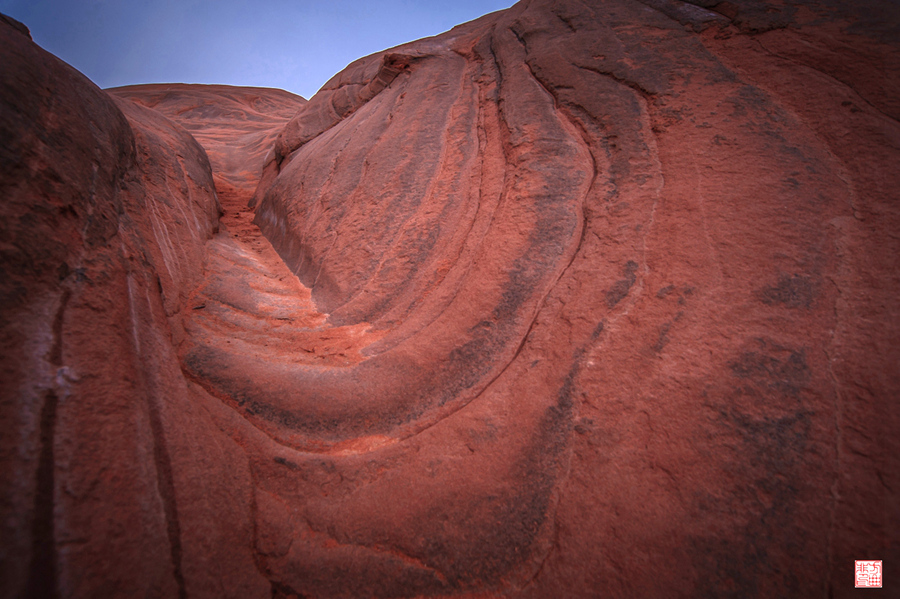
(577, 299)
(107, 208)
(237, 126)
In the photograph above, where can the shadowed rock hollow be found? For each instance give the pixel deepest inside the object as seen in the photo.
(578, 299)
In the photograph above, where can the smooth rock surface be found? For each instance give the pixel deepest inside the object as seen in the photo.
(578, 299)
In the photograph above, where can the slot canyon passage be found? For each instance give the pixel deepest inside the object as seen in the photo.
(579, 299)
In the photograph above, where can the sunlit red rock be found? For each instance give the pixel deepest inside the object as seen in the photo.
(574, 300)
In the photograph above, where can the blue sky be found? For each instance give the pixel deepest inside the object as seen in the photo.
(292, 44)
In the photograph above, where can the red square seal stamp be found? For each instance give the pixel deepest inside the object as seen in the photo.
(868, 574)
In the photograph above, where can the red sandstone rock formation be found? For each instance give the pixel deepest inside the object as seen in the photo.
(577, 299)
(237, 126)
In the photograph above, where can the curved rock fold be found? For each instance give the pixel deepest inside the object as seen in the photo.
(580, 298)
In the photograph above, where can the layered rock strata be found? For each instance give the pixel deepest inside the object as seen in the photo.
(576, 299)
(237, 126)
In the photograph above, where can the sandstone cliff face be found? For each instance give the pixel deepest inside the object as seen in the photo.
(578, 299)
(113, 483)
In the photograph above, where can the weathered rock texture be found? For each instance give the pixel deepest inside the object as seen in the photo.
(578, 299)
(237, 126)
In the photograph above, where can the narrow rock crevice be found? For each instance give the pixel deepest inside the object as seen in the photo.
(42, 579)
(43, 574)
(166, 485)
